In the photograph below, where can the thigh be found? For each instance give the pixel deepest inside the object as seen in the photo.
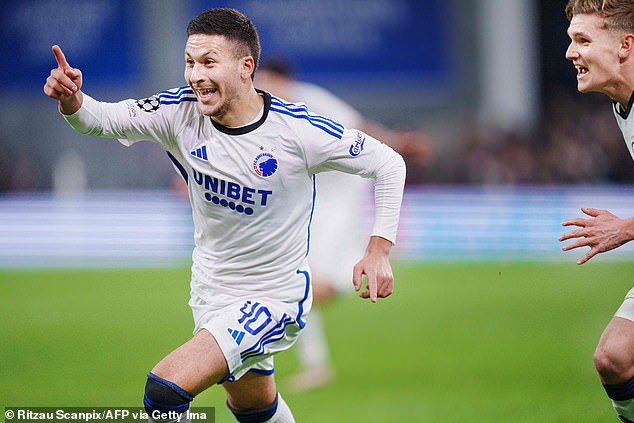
(195, 365)
(251, 391)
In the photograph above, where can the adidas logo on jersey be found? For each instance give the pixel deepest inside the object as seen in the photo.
(201, 152)
(237, 335)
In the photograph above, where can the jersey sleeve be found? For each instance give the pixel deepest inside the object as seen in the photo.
(358, 153)
(129, 120)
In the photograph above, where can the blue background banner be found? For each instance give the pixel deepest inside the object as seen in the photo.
(99, 37)
(355, 41)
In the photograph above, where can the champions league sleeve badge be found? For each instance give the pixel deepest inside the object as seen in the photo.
(265, 165)
(150, 104)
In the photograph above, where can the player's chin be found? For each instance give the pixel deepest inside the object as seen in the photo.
(585, 86)
(208, 110)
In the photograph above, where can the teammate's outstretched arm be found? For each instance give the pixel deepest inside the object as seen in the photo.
(375, 265)
(64, 84)
(602, 232)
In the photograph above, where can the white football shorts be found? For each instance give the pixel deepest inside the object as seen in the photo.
(252, 330)
(626, 311)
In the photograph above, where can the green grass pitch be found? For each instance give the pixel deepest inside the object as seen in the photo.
(478, 342)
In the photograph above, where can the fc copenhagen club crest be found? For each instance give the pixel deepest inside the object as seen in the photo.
(265, 165)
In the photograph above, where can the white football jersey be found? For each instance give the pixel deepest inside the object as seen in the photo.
(251, 188)
(626, 123)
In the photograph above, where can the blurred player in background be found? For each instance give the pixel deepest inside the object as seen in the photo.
(602, 50)
(249, 160)
(341, 203)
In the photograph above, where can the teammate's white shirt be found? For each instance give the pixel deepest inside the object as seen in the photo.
(251, 188)
(626, 124)
(338, 235)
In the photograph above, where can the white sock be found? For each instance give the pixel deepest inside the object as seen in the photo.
(312, 345)
(283, 413)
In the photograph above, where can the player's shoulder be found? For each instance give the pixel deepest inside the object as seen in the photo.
(181, 98)
(173, 101)
(299, 117)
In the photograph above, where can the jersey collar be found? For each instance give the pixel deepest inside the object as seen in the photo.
(248, 128)
(624, 114)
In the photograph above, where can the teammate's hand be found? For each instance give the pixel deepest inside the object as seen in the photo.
(376, 267)
(64, 84)
(602, 232)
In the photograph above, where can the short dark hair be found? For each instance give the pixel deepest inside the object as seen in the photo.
(618, 14)
(232, 24)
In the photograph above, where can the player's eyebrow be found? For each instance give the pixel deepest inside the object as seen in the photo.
(211, 52)
(578, 34)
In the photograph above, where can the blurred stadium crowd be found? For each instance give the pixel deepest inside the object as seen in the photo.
(573, 142)
(574, 139)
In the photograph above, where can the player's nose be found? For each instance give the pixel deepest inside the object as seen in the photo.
(196, 74)
(571, 52)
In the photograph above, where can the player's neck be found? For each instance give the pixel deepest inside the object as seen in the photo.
(624, 100)
(623, 89)
(244, 110)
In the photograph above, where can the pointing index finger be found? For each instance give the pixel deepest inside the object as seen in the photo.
(60, 58)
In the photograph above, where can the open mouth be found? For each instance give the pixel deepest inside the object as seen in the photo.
(581, 70)
(206, 92)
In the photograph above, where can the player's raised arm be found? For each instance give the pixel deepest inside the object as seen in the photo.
(64, 84)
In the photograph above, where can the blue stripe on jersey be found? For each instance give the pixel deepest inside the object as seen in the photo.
(301, 112)
(308, 118)
(175, 91)
(179, 166)
(302, 108)
(190, 92)
(180, 100)
(177, 95)
(300, 305)
(310, 219)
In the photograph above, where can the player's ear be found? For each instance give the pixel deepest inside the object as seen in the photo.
(247, 67)
(626, 49)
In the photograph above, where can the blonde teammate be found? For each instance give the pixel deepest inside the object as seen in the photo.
(602, 50)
